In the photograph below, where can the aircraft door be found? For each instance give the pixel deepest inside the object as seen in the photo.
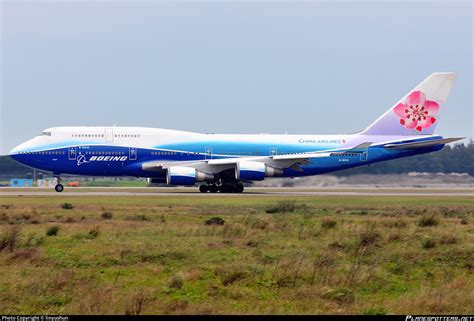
(363, 156)
(109, 134)
(273, 151)
(208, 152)
(133, 153)
(72, 153)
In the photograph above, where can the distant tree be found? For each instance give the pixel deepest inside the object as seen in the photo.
(456, 159)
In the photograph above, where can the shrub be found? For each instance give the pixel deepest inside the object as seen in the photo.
(428, 220)
(176, 282)
(428, 244)
(52, 231)
(67, 206)
(369, 237)
(106, 215)
(215, 221)
(464, 221)
(328, 223)
(9, 241)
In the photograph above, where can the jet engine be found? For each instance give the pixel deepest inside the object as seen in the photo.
(255, 171)
(185, 176)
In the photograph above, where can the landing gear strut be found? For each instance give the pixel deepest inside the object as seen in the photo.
(59, 187)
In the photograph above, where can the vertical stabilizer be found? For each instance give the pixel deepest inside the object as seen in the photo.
(417, 113)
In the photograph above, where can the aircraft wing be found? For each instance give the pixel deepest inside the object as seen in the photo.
(293, 161)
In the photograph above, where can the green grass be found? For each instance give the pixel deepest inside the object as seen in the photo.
(313, 255)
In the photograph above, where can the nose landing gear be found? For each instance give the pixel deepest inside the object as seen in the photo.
(59, 187)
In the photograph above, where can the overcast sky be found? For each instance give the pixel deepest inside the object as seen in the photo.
(227, 67)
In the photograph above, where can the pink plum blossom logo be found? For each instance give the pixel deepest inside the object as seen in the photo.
(417, 112)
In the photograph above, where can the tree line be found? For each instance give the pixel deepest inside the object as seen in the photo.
(458, 158)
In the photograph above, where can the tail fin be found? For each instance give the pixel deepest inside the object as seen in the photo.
(417, 113)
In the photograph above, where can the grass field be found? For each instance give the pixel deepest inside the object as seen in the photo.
(212, 255)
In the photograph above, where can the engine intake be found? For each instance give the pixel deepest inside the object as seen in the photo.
(255, 171)
(178, 175)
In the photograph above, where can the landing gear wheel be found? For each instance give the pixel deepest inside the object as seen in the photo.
(213, 188)
(238, 188)
(226, 188)
(204, 188)
(59, 188)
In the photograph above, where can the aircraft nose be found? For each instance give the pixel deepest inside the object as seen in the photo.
(14, 151)
(18, 149)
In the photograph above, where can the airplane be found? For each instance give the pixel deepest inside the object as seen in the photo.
(222, 162)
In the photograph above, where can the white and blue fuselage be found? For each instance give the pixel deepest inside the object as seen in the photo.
(121, 151)
(184, 158)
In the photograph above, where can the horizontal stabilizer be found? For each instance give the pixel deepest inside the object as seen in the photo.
(421, 144)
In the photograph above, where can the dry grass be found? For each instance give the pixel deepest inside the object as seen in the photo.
(157, 255)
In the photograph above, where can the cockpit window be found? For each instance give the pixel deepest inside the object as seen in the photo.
(45, 133)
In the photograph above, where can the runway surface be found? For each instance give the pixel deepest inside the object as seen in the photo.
(187, 192)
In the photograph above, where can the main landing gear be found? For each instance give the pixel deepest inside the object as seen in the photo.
(222, 188)
(59, 187)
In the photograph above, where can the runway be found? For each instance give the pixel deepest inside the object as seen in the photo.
(187, 192)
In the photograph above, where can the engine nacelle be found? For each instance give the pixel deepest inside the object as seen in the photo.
(255, 171)
(185, 176)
